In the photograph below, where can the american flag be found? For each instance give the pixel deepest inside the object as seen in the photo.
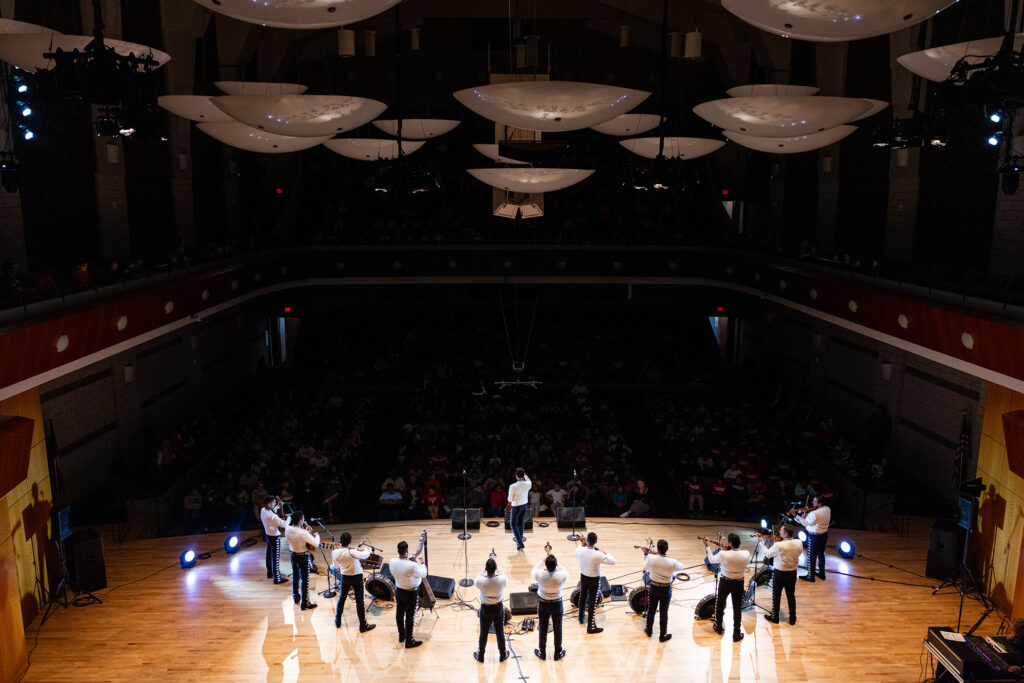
(962, 453)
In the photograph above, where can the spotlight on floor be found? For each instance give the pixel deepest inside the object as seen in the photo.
(802, 535)
(188, 559)
(764, 524)
(846, 549)
(231, 545)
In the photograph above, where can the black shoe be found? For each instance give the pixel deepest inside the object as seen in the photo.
(401, 638)
(772, 618)
(478, 657)
(792, 621)
(664, 637)
(337, 623)
(413, 643)
(821, 576)
(737, 637)
(718, 629)
(503, 656)
(808, 579)
(648, 633)
(560, 655)
(540, 655)
(277, 581)
(309, 605)
(367, 627)
(594, 629)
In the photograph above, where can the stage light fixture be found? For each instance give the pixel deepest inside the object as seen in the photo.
(846, 549)
(802, 535)
(996, 117)
(993, 139)
(764, 524)
(188, 559)
(26, 112)
(231, 545)
(28, 135)
(22, 88)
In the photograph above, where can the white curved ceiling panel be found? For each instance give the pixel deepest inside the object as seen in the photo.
(550, 106)
(834, 20)
(675, 147)
(781, 117)
(530, 180)
(300, 115)
(299, 13)
(629, 124)
(417, 129)
(793, 145)
(771, 90)
(26, 50)
(935, 63)
(194, 108)
(252, 140)
(259, 88)
(371, 149)
(491, 152)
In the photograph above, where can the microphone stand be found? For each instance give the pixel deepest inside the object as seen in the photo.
(574, 537)
(465, 581)
(373, 575)
(330, 592)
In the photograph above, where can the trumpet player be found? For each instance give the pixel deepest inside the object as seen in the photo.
(345, 561)
(300, 540)
(550, 577)
(590, 559)
(661, 568)
(492, 584)
(273, 525)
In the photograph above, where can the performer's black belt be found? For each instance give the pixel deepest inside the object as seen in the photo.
(304, 552)
(556, 600)
(661, 585)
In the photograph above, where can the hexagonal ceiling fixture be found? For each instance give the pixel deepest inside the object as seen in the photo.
(771, 90)
(259, 88)
(194, 108)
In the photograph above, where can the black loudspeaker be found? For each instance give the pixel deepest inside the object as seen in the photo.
(385, 571)
(566, 516)
(527, 525)
(472, 519)
(603, 585)
(61, 523)
(442, 586)
(523, 603)
(945, 549)
(86, 567)
(705, 608)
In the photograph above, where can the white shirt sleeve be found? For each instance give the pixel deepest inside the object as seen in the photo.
(421, 570)
(359, 554)
(607, 559)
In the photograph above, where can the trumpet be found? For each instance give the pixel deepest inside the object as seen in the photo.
(493, 554)
(547, 547)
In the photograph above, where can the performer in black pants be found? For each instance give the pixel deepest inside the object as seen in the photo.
(661, 568)
(345, 561)
(590, 559)
(409, 574)
(550, 578)
(299, 540)
(492, 584)
(730, 584)
(783, 571)
(816, 523)
(272, 528)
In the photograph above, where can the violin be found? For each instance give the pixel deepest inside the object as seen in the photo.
(767, 538)
(646, 549)
(803, 511)
(723, 546)
(583, 542)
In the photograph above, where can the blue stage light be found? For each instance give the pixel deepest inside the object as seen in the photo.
(846, 549)
(995, 117)
(764, 525)
(22, 88)
(188, 559)
(27, 111)
(802, 535)
(231, 545)
(993, 140)
(29, 135)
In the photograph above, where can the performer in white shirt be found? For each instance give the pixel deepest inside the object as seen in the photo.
(816, 523)
(492, 584)
(408, 574)
(550, 577)
(299, 540)
(590, 559)
(272, 528)
(661, 568)
(784, 571)
(733, 563)
(345, 561)
(518, 499)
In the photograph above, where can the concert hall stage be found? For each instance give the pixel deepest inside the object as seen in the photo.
(223, 620)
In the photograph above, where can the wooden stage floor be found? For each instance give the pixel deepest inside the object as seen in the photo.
(224, 621)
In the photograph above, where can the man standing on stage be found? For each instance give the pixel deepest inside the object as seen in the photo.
(409, 574)
(518, 499)
(661, 568)
(550, 577)
(816, 523)
(272, 528)
(346, 561)
(730, 584)
(784, 572)
(492, 584)
(299, 539)
(590, 559)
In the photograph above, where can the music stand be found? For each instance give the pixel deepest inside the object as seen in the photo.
(962, 578)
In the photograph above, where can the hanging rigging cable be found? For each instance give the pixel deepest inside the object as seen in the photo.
(518, 365)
